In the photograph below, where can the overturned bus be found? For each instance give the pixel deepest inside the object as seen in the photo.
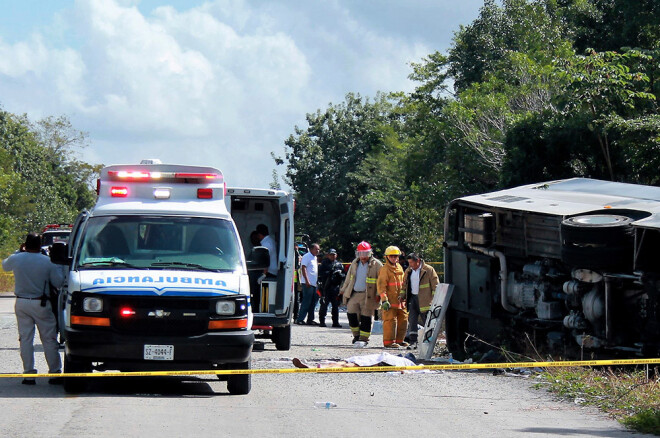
(568, 268)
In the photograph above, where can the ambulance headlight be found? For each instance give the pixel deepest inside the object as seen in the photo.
(91, 304)
(225, 307)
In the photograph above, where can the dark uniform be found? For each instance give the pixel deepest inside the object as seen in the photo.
(331, 276)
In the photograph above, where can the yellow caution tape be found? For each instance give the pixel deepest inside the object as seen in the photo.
(453, 366)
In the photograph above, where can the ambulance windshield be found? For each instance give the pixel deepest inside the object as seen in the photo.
(159, 242)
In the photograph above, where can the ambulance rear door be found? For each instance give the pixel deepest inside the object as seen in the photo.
(271, 300)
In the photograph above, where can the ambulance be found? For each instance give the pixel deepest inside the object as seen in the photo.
(159, 279)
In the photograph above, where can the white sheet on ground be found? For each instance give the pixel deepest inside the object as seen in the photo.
(369, 360)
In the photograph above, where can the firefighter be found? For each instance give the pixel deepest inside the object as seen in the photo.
(360, 293)
(419, 283)
(392, 300)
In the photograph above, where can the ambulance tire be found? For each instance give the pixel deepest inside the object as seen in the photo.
(74, 385)
(240, 384)
(282, 337)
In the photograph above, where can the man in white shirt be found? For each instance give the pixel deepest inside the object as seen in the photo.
(267, 241)
(419, 283)
(310, 272)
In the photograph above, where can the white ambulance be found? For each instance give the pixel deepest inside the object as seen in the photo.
(159, 278)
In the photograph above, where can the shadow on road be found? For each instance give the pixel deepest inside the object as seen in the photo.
(559, 431)
(165, 386)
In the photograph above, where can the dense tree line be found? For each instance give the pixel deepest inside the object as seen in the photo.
(41, 181)
(531, 90)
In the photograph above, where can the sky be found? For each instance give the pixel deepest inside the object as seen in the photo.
(218, 83)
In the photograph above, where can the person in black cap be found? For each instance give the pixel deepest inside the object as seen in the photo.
(331, 276)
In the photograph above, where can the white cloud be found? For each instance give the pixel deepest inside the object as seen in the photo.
(222, 83)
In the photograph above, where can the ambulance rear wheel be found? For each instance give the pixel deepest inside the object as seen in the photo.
(240, 384)
(282, 337)
(75, 384)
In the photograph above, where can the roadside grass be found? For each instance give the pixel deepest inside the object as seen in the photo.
(631, 395)
(6, 282)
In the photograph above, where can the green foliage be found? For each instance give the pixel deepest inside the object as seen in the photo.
(40, 181)
(323, 163)
(631, 396)
(606, 25)
(531, 90)
(647, 421)
(520, 26)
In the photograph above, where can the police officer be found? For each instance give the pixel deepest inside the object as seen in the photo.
(331, 276)
(32, 273)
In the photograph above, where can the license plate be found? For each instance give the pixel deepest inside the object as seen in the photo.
(159, 352)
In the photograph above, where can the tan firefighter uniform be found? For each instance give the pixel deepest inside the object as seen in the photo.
(428, 280)
(395, 320)
(361, 304)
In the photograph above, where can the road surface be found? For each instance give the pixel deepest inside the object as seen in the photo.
(439, 404)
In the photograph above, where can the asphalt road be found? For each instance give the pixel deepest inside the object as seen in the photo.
(440, 404)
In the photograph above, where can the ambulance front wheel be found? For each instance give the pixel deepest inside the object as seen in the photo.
(75, 385)
(240, 384)
(282, 337)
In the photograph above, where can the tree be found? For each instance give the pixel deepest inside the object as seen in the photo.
(323, 162)
(520, 26)
(40, 180)
(606, 86)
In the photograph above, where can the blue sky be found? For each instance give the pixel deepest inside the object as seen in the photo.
(220, 83)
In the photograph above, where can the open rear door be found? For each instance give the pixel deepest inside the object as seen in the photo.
(271, 299)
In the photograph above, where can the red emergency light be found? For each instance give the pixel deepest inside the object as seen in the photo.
(126, 312)
(56, 226)
(182, 175)
(143, 176)
(119, 192)
(204, 193)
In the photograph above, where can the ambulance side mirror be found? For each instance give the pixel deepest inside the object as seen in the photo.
(59, 254)
(259, 258)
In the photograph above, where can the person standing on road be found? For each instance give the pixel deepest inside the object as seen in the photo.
(331, 276)
(309, 270)
(419, 283)
(392, 300)
(359, 292)
(33, 272)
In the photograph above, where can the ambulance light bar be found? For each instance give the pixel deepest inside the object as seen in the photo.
(57, 226)
(122, 192)
(137, 176)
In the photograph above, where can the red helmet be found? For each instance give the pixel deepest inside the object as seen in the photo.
(364, 246)
(363, 249)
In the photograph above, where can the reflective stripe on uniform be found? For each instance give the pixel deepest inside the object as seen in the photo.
(424, 286)
(371, 280)
(425, 309)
